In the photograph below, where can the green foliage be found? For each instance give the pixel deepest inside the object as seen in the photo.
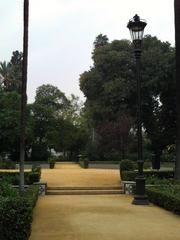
(110, 89)
(11, 73)
(16, 215)
(7, 164)
(35, 175)
(169, 153)
(31, 195)
(55, 123)
(7, 190)
(52, 162)
(83, 161)
(131, 175)
(167, 197)
(127, 165)
(13, 177)
(128, 175)
(9, 124)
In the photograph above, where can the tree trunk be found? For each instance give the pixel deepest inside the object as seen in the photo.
(23, 94)
(177, 37)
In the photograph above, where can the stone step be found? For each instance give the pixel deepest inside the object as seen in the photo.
(85, 188)
(83, 192)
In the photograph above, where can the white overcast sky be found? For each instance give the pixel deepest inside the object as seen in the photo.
(62, 34)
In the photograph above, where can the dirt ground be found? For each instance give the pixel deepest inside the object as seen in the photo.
(105, 217)
(97, 217)
(73, 175)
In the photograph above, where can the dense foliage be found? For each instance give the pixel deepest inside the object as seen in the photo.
(16, 212)
(13, 177)
(167, 196)
(110, 91)
(131, 175)
(54, 122)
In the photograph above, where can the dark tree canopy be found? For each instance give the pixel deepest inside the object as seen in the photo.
(110, 88)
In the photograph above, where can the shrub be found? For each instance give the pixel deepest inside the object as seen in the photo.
(131, 175)
(83, 161)
(128, 175)
(52, 162)
(7, 190)
(7, 164)
(33, 177)
(166, 197)
(35, 174)
(13, 177)
(127, 165)
(16, 215)
(147, 165)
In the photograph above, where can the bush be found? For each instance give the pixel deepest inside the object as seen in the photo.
(166, 197)
(35, 174)
(131, 175)
(7, 164)
(16, 215)
(83, 161)
(7, 190)
(127, 165)
(128, 175)
(13, 177)
(52, 162)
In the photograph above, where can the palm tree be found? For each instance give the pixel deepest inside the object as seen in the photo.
(177, 36)
(23, 94)
(5, 72)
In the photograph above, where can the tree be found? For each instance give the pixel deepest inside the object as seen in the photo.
(9, 124)
(23, 94)
(100, 41)
(110, 88)
(177, 36)
(47, 114)
(11, 73)
(56, 123)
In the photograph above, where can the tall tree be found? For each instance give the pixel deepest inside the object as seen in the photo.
(11, 73)
(23, 94)
(177, 36)
(109, 87)
(100, 41)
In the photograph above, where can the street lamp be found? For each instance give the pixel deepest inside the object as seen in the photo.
(136, 27)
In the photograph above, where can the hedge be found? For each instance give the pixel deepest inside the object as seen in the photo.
(7, 164)
(13, 177)
(131, 175)
(166, 197)
(16, 215)
(84, 163)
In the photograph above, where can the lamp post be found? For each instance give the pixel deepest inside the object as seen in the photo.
(136, 27)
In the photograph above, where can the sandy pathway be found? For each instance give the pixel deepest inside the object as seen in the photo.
(73, 175)
(106, 217)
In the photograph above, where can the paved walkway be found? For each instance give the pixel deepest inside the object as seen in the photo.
(98, 217)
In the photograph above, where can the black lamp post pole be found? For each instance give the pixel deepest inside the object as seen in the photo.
(136, 27)
(140, 198)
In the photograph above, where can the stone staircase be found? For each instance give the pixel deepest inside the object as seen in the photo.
(84, 190)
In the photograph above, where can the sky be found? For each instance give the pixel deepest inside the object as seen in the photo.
(62, 32)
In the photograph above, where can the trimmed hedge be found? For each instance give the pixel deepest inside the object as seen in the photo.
(127, 165)
(13, 177)
(84, 163)
(166, 197)
(16, 215)
(7, 164)
(131, 175)
(52, 162)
